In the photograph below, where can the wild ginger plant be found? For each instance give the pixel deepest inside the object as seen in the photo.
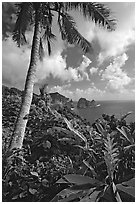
(85, 190)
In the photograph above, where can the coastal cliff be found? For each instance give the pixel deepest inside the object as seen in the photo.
(84, 103)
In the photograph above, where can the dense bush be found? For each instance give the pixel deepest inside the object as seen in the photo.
(61, 150)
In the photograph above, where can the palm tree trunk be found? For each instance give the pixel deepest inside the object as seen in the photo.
(19, 131)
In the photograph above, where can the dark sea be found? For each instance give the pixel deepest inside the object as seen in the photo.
(117, 108)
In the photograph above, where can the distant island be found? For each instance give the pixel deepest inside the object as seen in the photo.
(56, 99)
(84, 103)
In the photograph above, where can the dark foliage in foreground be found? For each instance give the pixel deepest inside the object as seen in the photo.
(64, 158)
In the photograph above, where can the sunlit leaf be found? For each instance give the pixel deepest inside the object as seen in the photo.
(72, 197)
(34, 173)
(65, 193)
(44, 182)
(91, 198)
(117, 196)
(129, 189)
(15, 197)
(131, 183)
(125, 132)
(78, 179)
(127, 114)
(90, 167)
(129, 147)
(80, 135)
(32, 191)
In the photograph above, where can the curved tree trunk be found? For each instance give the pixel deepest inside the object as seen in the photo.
(19, 131)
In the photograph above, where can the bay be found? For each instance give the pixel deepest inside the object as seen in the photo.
(117, 108)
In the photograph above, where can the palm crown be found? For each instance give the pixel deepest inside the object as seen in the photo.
(99, 13)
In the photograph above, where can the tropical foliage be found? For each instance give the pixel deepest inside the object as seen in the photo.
(40, 15)
(64, 158)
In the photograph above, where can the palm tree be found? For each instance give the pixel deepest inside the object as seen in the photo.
(40, 16)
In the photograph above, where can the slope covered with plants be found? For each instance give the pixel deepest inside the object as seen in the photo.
(64, 158)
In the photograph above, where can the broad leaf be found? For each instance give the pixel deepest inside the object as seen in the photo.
(117, 196)
(34, 173)
(80, 135)
(125, 132)
(90, 167)
(131, 183)
(44, 182)
(127, 114)
(129, 189)
(91, 198)
(32, 191)
(78, 179)
(72, 197)
(64, 194)
(83, 186)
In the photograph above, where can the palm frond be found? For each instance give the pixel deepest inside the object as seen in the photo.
(96, 11)
(25, 17)
(70, 33)
(48, 36)
(46, 23)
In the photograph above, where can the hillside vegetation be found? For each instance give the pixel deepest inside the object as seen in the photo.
(64, 158)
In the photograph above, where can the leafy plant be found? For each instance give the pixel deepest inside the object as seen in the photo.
(91, 189)
(67, 159)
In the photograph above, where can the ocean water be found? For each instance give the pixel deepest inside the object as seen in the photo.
(117, 108)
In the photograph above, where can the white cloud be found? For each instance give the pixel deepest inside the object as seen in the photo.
(116, 77)
(93, 93)
(15, 63)
(85, 63)
(93, 70)
(64, 90)
(114, 43)
(82, 69)
(90, 93)
(56, 65)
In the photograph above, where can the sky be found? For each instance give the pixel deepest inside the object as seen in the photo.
(106, 74)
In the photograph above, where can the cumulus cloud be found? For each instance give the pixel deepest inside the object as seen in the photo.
(90, 93)
(93, 70)
(82, 68)
(116, 77)
(15, 63)
(56, 65)
(64, 90)
(115, 43)
(84, 64)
